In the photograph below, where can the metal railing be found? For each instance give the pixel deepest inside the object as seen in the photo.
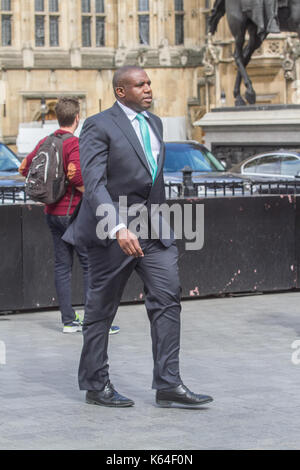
(217, 187)
(12, 195)
(228, 188)
(204, 189)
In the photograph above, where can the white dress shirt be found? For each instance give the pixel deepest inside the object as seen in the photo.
(131, 114)
(155, 145)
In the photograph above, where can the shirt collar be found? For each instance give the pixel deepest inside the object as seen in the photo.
(130, 113)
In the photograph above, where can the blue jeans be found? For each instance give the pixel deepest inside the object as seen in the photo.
(64, 255)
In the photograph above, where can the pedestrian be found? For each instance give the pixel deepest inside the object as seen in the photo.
(58, 214)
(122, 154)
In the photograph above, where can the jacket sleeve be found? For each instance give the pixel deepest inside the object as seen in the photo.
(26, 162)
(94, 144)
(72, 165)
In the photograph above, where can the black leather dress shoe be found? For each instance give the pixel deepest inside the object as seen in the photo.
(182, 396)
(108, 397)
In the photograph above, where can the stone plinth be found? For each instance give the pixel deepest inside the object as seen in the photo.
(250, 129)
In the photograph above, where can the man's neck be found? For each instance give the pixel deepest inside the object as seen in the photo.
(130, 110)
(71, 129)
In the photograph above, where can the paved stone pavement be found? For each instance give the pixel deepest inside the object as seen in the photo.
(238, 349)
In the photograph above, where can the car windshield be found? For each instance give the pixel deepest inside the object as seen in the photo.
(179, 155)
(8, 160)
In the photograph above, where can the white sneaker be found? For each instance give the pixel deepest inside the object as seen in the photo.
(114, 329)
(72, 328)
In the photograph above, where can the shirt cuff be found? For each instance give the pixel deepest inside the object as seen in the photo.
(112, 233)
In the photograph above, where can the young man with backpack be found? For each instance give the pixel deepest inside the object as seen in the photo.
(54, 177)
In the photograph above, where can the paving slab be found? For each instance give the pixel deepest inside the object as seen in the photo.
(237, 349)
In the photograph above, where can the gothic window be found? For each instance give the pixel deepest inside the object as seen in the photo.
(86, 6)
(143, 5)
(39, 5)
(179, 22)
(39, 30)
(86, 31)
(93, 23)
(53, 5)
(6, 23)
(99, 6)
(143, 22)
(53, 31)
(6, 5)
(178, 5)
(100, 31)
(47, 23)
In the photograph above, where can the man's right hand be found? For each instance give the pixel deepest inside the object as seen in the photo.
(129, 243)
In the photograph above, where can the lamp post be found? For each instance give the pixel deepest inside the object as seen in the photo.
(43, 109)
(187, 182)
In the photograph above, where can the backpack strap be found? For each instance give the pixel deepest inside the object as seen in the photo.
(64, 137)
(71, 200)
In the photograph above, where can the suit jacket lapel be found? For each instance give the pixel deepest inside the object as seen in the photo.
(125, 125)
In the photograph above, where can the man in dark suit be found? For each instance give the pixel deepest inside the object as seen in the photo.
(122, 154)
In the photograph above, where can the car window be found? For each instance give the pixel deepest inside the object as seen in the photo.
(270, 164)
(290, 165)
(250, 167)
(179, 155)
(8, 160)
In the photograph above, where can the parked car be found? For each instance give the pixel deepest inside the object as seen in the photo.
(279, 165)
(11, 182)
(208, 172)
(282, 167)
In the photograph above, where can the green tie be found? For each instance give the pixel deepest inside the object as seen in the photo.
(147, 144)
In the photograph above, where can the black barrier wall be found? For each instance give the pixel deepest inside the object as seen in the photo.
(250, 245)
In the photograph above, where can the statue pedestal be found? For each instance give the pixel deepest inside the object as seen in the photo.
(233, 134)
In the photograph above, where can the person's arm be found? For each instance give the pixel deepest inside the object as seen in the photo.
(26, 162)
(94, 150)
(73, 170)
(129, 243)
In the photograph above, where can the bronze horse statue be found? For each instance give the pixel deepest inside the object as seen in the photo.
(242, 17)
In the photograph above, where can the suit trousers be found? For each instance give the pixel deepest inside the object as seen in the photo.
(109, 270)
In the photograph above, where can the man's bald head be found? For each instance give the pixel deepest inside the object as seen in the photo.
(121, 75)
(132, 87)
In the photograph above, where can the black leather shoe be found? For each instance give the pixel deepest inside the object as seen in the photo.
(107, 397)
(182, 396)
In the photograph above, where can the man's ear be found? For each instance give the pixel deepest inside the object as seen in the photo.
(120, 92)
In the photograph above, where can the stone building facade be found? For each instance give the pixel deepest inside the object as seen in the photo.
(52, 48)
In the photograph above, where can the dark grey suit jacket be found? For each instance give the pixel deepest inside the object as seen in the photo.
(113, 164)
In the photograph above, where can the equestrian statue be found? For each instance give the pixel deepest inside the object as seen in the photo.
(258, 18)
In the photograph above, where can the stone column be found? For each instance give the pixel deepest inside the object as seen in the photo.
(74, 16)
(25, 26)
(160, 22)
(121, 51)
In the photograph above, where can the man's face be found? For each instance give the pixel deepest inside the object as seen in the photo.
(136, 91)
